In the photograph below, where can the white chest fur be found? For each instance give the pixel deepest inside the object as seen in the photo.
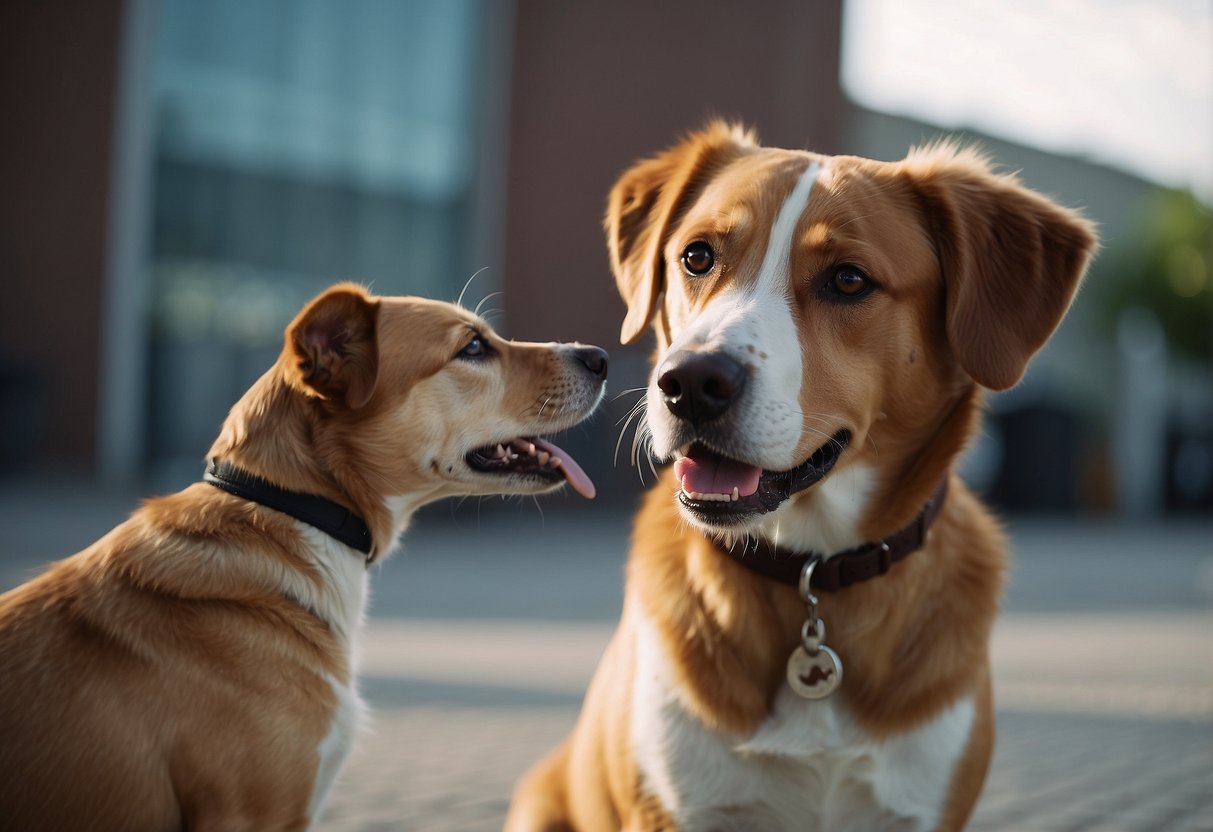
(336, 745)
(340, 600)
(808, 767)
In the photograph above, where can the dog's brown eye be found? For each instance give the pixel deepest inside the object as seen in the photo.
(850, 281)
(698, 258)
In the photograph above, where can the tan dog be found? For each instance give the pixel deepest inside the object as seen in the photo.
(825, 326)
(193, 669)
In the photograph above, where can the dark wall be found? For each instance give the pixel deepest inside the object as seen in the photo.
(596, 86)
(57, 73)
(599, 85)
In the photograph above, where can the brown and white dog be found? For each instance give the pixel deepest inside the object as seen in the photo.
(194, 669)
(825, 327)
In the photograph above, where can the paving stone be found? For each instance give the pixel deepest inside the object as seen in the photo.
(439, 768)
(1103, 665)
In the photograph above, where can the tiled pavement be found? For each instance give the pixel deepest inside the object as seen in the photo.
(485, 629)
(451, 769)
(465, 707)
(1071, 772)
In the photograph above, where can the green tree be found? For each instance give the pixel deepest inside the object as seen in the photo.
(1168, 268)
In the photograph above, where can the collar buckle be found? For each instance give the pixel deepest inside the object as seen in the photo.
(884, 557)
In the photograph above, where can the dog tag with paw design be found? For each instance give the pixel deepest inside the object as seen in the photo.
(814, 676)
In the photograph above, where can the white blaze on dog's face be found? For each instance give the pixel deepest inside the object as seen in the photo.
(748, 318)
(815, 313)
(433, 403)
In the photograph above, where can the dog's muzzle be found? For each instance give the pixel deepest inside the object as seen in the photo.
(720, 483)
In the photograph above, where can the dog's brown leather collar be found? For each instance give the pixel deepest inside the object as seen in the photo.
(845, 568)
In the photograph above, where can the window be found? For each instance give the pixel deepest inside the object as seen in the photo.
(297, 142)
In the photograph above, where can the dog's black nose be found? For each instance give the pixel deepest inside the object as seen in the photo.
(699, 386)
(594, 358)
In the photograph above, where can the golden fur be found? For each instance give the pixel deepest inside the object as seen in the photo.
(974, 272)
(182, 672)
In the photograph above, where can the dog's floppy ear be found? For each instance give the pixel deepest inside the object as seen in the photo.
(333, 348)
(1011, 259)
(645, 203)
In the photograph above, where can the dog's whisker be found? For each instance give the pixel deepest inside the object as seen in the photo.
(623, 393)
(485, 300)
(475, 274)
(822, 434)
(619, 441)
(631, 414)
(639, 407)
(641, 440)
(625, 420)
(623, 431)
(652, 467)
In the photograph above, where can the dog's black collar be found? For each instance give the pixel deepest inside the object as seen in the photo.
(845, 568)
(335, 520)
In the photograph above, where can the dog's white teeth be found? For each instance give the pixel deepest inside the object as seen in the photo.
(557, 462)
(710, 498)
(530, 448)
(501, 454)
(543, 457)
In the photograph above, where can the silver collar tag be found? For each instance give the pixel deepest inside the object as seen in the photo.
(814, 670)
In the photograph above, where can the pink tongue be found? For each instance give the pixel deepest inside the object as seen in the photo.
(705, 472)
(569, 467)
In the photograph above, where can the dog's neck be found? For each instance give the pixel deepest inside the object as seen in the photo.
(882, 490)
(277, 433)
(335, 520)
(910, 474)
(839, 569)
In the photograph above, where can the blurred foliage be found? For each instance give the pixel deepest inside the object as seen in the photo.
(1168, 268)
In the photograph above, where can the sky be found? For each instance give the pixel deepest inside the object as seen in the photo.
(1128, 83)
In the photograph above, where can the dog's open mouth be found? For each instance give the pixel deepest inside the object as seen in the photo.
(724, 491)
(532, 458)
